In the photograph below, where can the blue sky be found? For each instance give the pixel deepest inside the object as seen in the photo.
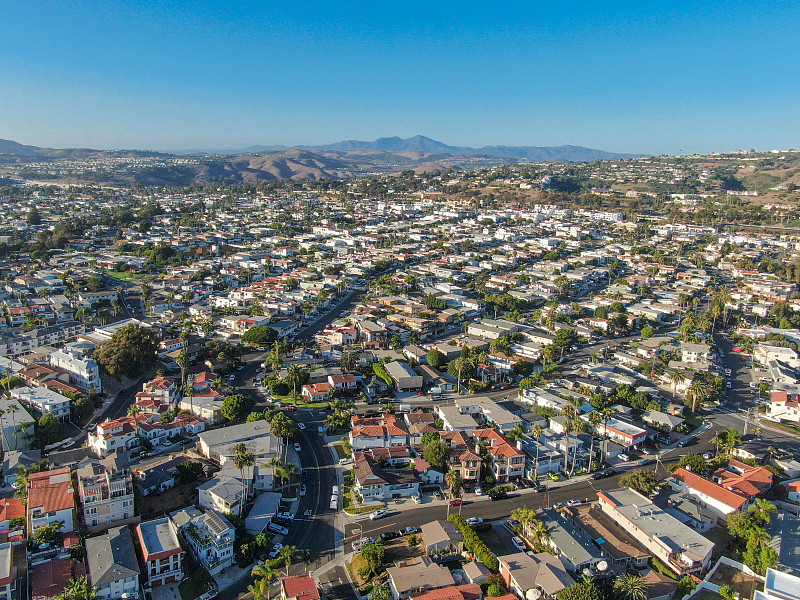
(651, 77)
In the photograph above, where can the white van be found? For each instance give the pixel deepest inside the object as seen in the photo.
(624, 457)
(335, 490)
(275, 528)
(334, 504)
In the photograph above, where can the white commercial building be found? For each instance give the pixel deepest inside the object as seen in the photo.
(84, 373)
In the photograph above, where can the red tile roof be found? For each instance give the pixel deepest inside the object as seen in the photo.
(302, 587)
(469, 591)
(709, 488)
(11, 508)
(51, 497)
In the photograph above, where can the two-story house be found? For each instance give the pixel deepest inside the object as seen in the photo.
(51, 500)
(377, 432)
(113, 568)
(507, 461)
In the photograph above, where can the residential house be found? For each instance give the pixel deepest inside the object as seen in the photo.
(442, 539)
(572, 545)
(84, 373)
(209, 535)
(417, 575)
(299, 587)
(105, 489)
(507, 461)
(463, 458)
(222, 494)
(8, 572)
(51, 500)
(377, 432)
(540, 575)
(375, 483)
(113, 568)
(44, 400)
(161, 552)
(404, 377)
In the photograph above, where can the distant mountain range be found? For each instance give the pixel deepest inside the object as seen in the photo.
(420, 143)
(339, 161)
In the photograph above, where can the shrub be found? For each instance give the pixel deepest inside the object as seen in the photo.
(474, 544)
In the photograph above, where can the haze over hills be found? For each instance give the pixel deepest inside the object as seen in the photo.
(339, 161)
(420, 143)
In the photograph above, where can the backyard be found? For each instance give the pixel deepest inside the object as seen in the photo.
(184, 494)
(741, 582)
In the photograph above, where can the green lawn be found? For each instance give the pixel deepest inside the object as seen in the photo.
(785, 426)
(126, 275)
(340, 450)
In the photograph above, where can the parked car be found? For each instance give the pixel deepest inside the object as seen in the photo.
(559, 505)
(498, 496)
(573, 502)
(409, 530)
(285, 516)
(390, 535)
(456, 502)
(378, 514)
(297, 447)
(478, 490)
(275, 528)
(361, 541)
(624, 457)
(438, 495)
(474, 521)
(518, 543)
(539, 488)
(604, 474)
(416, 499)
(708, 456)
(276, 550)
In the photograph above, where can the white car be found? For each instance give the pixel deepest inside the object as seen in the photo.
(285, 516)
(296, 447)
(276, 550)
(478, 491)
(301, 426)
(474, 521)
(302, 490)
(275, 528)
(378, 514)
(518, 544)
(416, 499)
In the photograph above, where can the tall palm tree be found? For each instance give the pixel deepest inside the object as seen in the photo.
(242, 459)
(453, 480)
(594, 420)
(526, 517)
(578, 426)
(629, 587)
(293, 378)
(260, 588)
(288, 554)
(133, 411)
(763, 510)
(677, 378)
(539, 531)
(536, 431)
(12, 408)
(699, 390)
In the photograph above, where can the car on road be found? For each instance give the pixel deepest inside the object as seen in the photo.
(737, 349)
(276, 550)
(708, 456)
(573, 502)
(304, 475)
(409, 530)
(539, 488)
(231, 377)
(378, 514)
(291, 408)
(498, 496)
(559, 505)
(474, 521)
(604, 474)
(302, 490)
(361, 541)
(297, 447)
(285, 516)
(518, 543)
(301, 426)
(390, 535)
(416, 499)
(478, 490)
(456, 502)
(728, 384)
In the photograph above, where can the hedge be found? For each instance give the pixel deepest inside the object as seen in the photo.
(474, 544)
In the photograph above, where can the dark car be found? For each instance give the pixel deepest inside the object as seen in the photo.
(304, 475)
(390, 535)
(604, 474)
(539, 488)
(498, 496)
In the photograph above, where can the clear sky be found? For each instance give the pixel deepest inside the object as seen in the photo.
(644, 76)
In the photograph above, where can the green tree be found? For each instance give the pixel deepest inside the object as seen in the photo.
(49, 430)
(436, 453)
(130, 351)
(435, 358)
(78, 589)
(647, 332)
(236, 407)
(643, 481)
(582, 590)
(259, 335)
(695, 462)
(374, 554)
(243, 459)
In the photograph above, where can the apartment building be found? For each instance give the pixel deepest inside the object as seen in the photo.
(161, 551)
(84, 373)
(677, 545)
(507, 461)
(105, 488)
(44, 401)
(8, 572)
(112, 564)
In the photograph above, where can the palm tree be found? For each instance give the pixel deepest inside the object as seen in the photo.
(242, 459)
(453, 480)
(260, 589)
(133, 411)
(539, 531)
(12, 408)
(381, 592)
(569, 414)
(606, 413)
(265, 571)
(578, 426)
(629, 587)
(732, 439)
(287, 554)
(677, 378)
(763, 510)
(78, 589)
(293, 378)
(536, 431)
(698, 389)
(526, 517)
(594, 420)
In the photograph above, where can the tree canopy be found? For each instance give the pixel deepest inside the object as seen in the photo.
(237, 407)
(130, 351)
(259, 335)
